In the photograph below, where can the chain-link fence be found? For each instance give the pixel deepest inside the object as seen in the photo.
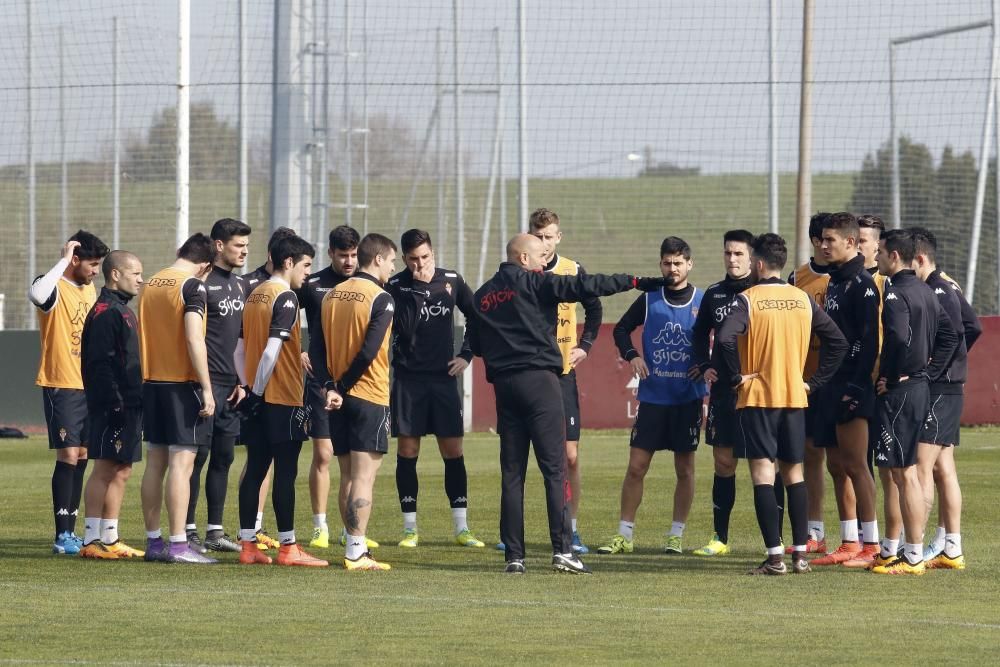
(643, 119)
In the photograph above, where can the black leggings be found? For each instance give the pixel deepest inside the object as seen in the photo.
(216, 479)
(286, 467)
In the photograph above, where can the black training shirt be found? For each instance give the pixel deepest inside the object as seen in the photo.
(226, 299)
(423, 330)
(715, 306)
(852, 302)
(109, 351)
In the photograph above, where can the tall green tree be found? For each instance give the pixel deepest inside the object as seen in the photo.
(213, 147)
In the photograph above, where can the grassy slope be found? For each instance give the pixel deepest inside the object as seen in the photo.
(610, 225)
(445, 604)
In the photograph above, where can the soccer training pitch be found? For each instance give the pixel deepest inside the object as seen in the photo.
(445, 604)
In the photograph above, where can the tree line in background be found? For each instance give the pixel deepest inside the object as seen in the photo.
(938, 195)
(941, 197)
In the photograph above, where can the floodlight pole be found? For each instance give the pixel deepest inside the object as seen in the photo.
(804, 193)
(241, 159)
(522, 116)
(772, 33)
(459, 168)
(183, 119)
(32, 231)
(116, 174)
(64, 169)
(984, 158)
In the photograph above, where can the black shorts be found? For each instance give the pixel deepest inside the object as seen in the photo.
(227, 420)
(121, 443)
(65, 417)
(944, 420)
(277, 423)
(360, 426)
(170, 414)
(774, 433)
(675, 428)
(901, 414)
(722, 425)
(831, 410)
(571, 405)
(315, 398)
(426, 406)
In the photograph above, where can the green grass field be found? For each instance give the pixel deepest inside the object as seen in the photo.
(445, 604)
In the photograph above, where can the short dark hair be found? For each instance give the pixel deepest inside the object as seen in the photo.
(843, 223)
(116, 259)
(772, 249)
(869, 221)
(816, 225)
(198, 249)
(413, 239)
(541, 218)
(900, 241)
(344, 238)
(738, 236)
(277, 235)
(227, 228)
(293, 247)
(373, 245)
(673, 245)
(90, 246)
(925, 242)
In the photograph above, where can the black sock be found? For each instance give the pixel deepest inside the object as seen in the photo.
(258, 461)
(767, 514)
(406, 483)
(217, 477)
(779, 500)
(199, 462)
(456, 482)
(286, 467)
(62, 495)
(723, 499)
(79, 473)
(798, 512)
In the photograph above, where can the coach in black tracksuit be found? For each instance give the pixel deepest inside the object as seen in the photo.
(514, 333)
(915, 328)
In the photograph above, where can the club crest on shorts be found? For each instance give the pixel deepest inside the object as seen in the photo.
(62, 434)
(118, 446)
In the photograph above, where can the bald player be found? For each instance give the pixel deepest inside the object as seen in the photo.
(514, 332)
(112, 380)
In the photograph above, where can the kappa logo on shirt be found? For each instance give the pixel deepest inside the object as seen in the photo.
(891, 296)
(289, 304)
(869, 292)
(938, 290)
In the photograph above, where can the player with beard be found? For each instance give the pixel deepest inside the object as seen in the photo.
(226, 295)
(425, 397)
(63, 297)
(670, 401)
(721, 428)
